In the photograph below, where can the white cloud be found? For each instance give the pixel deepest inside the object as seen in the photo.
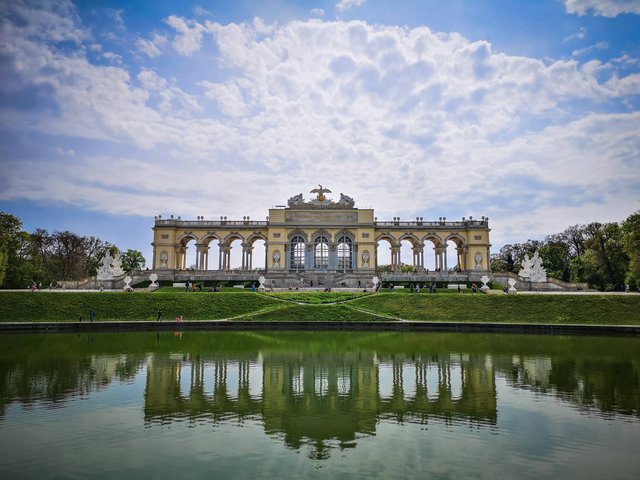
(344, 5)
(151, 48)
(317, 12)
(201, 12)
(579, 35)
(405, 120)
(112, 57)
(189, 36)
(605, 8)
(590, 48)
(116, 17)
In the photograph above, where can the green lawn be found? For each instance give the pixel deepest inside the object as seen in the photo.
(320, 306)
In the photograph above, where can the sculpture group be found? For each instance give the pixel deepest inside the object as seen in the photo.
(321, 201)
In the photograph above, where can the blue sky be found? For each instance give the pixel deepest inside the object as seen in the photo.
(112, 112)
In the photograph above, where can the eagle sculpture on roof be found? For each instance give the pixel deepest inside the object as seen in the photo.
(320, 191)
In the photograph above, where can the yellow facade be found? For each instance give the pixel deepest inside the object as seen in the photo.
(320, 236)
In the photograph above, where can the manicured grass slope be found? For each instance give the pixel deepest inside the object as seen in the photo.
(44, 306)
(555, 309)
(319, 306)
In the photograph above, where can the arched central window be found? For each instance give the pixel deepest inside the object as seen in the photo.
(321, 253)
(297, 253)
(345, 253)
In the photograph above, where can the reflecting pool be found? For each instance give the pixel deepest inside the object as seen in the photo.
(318, 404)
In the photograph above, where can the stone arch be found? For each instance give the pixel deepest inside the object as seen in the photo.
(411, 252)
(431, 261)
(185, 260)
(392, 256)
(346, 232)
(410, 237)
(296, 251)
(346, 251)
(298, 232)
(322, 232)
(388, 237)
(256, 255)
(457, 256)
(210, 260)
(322, 244)
(228, 256)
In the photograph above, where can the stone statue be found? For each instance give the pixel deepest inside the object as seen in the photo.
(346, 201)
(163, 260)
(276, 259)
(478, 259)
(116, 266)
(295, 200)
(532, 268)
(104, 270)
(365, 259)
(320, 191)
(109, 267)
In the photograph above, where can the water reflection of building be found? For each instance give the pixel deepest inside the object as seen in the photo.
(320, 399)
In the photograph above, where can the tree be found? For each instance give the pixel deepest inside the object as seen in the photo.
(132, 260)
(605, 248)
(10, 229)
(556, 258)
(631, 245)
(65, 255)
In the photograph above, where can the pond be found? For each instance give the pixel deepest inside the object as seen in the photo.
(258, 404)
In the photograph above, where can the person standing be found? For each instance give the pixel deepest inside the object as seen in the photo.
(159, 315)
(92, 315)
(186, 286)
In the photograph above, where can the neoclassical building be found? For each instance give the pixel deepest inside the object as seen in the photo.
(321, 237)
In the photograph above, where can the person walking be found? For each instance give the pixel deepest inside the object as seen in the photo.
(159, 315)
(92, 315)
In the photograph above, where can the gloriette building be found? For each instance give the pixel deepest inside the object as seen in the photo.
(320, 240)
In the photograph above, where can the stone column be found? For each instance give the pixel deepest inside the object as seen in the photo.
(205, 257)
(444, 254)
(308, 256)
(179, 258)
(244, 256)
(226, 258)
(417, 257)
(333, 257)
(395, 258)
(199, 256)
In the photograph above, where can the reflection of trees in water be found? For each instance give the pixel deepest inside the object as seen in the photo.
(606, 384)
(55, 380)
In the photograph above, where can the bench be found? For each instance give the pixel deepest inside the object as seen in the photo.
(179, 284)
(456, 285)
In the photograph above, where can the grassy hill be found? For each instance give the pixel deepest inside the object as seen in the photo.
(319, 306)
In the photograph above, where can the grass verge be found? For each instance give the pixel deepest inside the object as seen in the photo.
(320, 306)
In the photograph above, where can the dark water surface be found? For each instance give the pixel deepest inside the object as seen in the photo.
(318, 405)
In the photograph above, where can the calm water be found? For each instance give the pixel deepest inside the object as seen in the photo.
(318, 404)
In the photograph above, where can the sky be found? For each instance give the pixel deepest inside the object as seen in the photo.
(112, 112)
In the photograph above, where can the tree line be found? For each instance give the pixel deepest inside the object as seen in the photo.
(606, 256)
(45, 258)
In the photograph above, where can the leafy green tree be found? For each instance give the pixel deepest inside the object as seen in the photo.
(556, 259)
(631, 244)
(606, 243)
(10, 229)
(132, 260)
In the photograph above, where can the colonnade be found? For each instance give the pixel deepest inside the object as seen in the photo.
(224, 256)
(440, 252)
